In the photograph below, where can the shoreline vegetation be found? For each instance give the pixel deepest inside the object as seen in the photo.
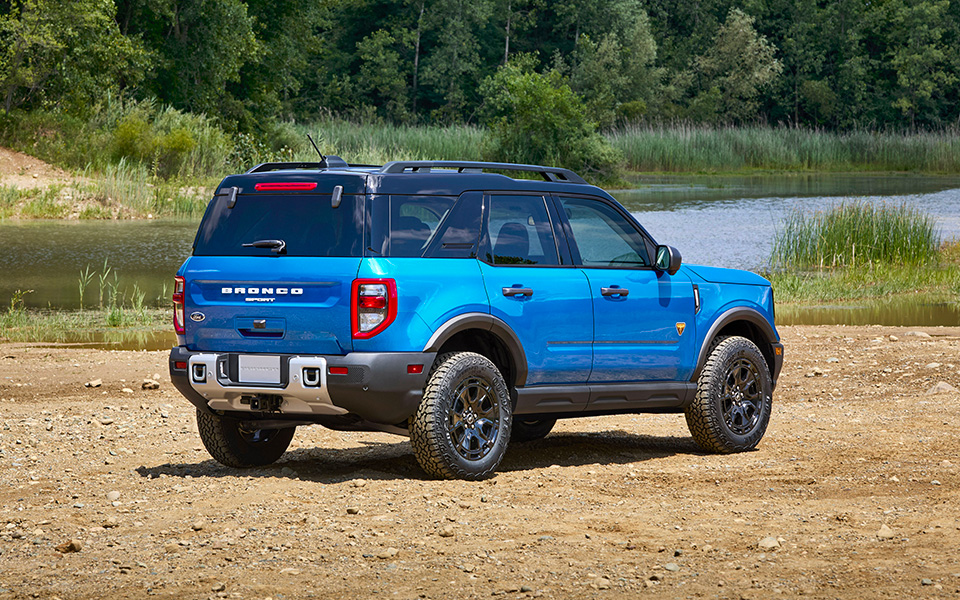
(138, 160)
(858, 252)
(110, 311)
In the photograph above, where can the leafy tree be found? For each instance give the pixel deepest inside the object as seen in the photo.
(516, 16)
(734, 70)
(536, 118)
(384, 75)
(199, 46)
(847, 64)
(918, 56)
(612, 73)
(269, 81)
(453, 67)
(64, 52)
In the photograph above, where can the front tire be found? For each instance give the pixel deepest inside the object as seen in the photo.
(734, 398)
(233, 445)
(462, 426)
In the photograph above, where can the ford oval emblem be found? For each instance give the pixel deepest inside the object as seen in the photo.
(197, 316)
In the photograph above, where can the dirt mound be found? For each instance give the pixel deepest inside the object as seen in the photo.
(25, 171)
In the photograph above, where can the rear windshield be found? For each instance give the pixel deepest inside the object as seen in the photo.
(306, 223)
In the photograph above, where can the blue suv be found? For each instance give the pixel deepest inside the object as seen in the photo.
(459, 306)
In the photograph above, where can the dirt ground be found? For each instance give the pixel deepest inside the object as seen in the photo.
(23, 171)
(853, 493)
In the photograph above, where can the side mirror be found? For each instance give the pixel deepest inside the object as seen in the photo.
(668, 259)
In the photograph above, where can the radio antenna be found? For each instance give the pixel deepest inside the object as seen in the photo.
(322, 157)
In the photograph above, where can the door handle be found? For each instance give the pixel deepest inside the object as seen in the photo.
(517, 291)
(614, 291)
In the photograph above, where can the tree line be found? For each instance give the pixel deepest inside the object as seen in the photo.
(835, 64)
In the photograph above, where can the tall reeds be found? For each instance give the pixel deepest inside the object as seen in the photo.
(376, 144)
(696, 148)
(856, 233)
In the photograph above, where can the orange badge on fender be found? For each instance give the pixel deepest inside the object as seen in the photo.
(680, 328)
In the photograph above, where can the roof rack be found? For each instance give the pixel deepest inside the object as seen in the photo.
(329, 162)
(424, 166)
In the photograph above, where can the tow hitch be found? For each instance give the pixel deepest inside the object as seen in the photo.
(264, 402)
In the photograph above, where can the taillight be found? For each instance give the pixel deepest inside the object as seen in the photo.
(179, 314)
(373, 306)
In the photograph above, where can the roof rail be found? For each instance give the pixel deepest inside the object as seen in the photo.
(548, 173)
(329, 162)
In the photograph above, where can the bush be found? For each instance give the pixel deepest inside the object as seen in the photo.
(536, 118)
(133, 138)
(169, 142)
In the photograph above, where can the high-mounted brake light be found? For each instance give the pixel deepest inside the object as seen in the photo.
(286, 186)
(373, 306)
(179, 313)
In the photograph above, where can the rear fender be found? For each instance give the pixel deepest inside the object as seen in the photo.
(483, 322)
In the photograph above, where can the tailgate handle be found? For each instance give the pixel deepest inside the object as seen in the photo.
(614, 291)
(517, 291)
(260, 333)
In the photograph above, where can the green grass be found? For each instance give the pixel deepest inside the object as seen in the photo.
(122, 191)
(869, 282)
(117, 320)
(856, 234)
(377, 144)
(136, 158)
(857, 252)
(31, 325)
(689, 148)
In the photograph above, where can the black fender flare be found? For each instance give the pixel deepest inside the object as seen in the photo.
(739, 313)
(485, 322)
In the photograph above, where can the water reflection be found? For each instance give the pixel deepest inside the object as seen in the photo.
(884, 313)
(120, 339)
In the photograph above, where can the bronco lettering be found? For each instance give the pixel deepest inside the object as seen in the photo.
(226, 291)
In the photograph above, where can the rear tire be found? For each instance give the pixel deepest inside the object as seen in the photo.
(529, 430)
(230, 444)
(462, 426)
(734, 398)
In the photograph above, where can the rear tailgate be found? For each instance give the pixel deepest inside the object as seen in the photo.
(273, 264)
(289, 305)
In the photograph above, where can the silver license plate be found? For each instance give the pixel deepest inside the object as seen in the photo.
(259, 369)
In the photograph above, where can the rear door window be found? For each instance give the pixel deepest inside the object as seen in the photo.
(413, 221)
(520, 232)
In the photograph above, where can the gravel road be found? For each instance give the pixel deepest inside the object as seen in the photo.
(106, 492)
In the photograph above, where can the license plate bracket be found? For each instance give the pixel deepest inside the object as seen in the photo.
(256, 368)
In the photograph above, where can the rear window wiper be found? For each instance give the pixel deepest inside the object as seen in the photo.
(278, 246)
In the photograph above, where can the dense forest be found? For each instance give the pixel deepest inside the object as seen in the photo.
(839, 64)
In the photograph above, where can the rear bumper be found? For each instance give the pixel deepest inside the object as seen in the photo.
(376, 387)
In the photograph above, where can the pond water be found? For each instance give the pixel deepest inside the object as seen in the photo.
(723, 221)
(730, 221)
(47, 257)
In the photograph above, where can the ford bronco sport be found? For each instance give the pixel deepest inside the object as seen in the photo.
(460, 306)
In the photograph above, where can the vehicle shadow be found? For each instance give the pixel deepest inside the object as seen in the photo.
(387, 461)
